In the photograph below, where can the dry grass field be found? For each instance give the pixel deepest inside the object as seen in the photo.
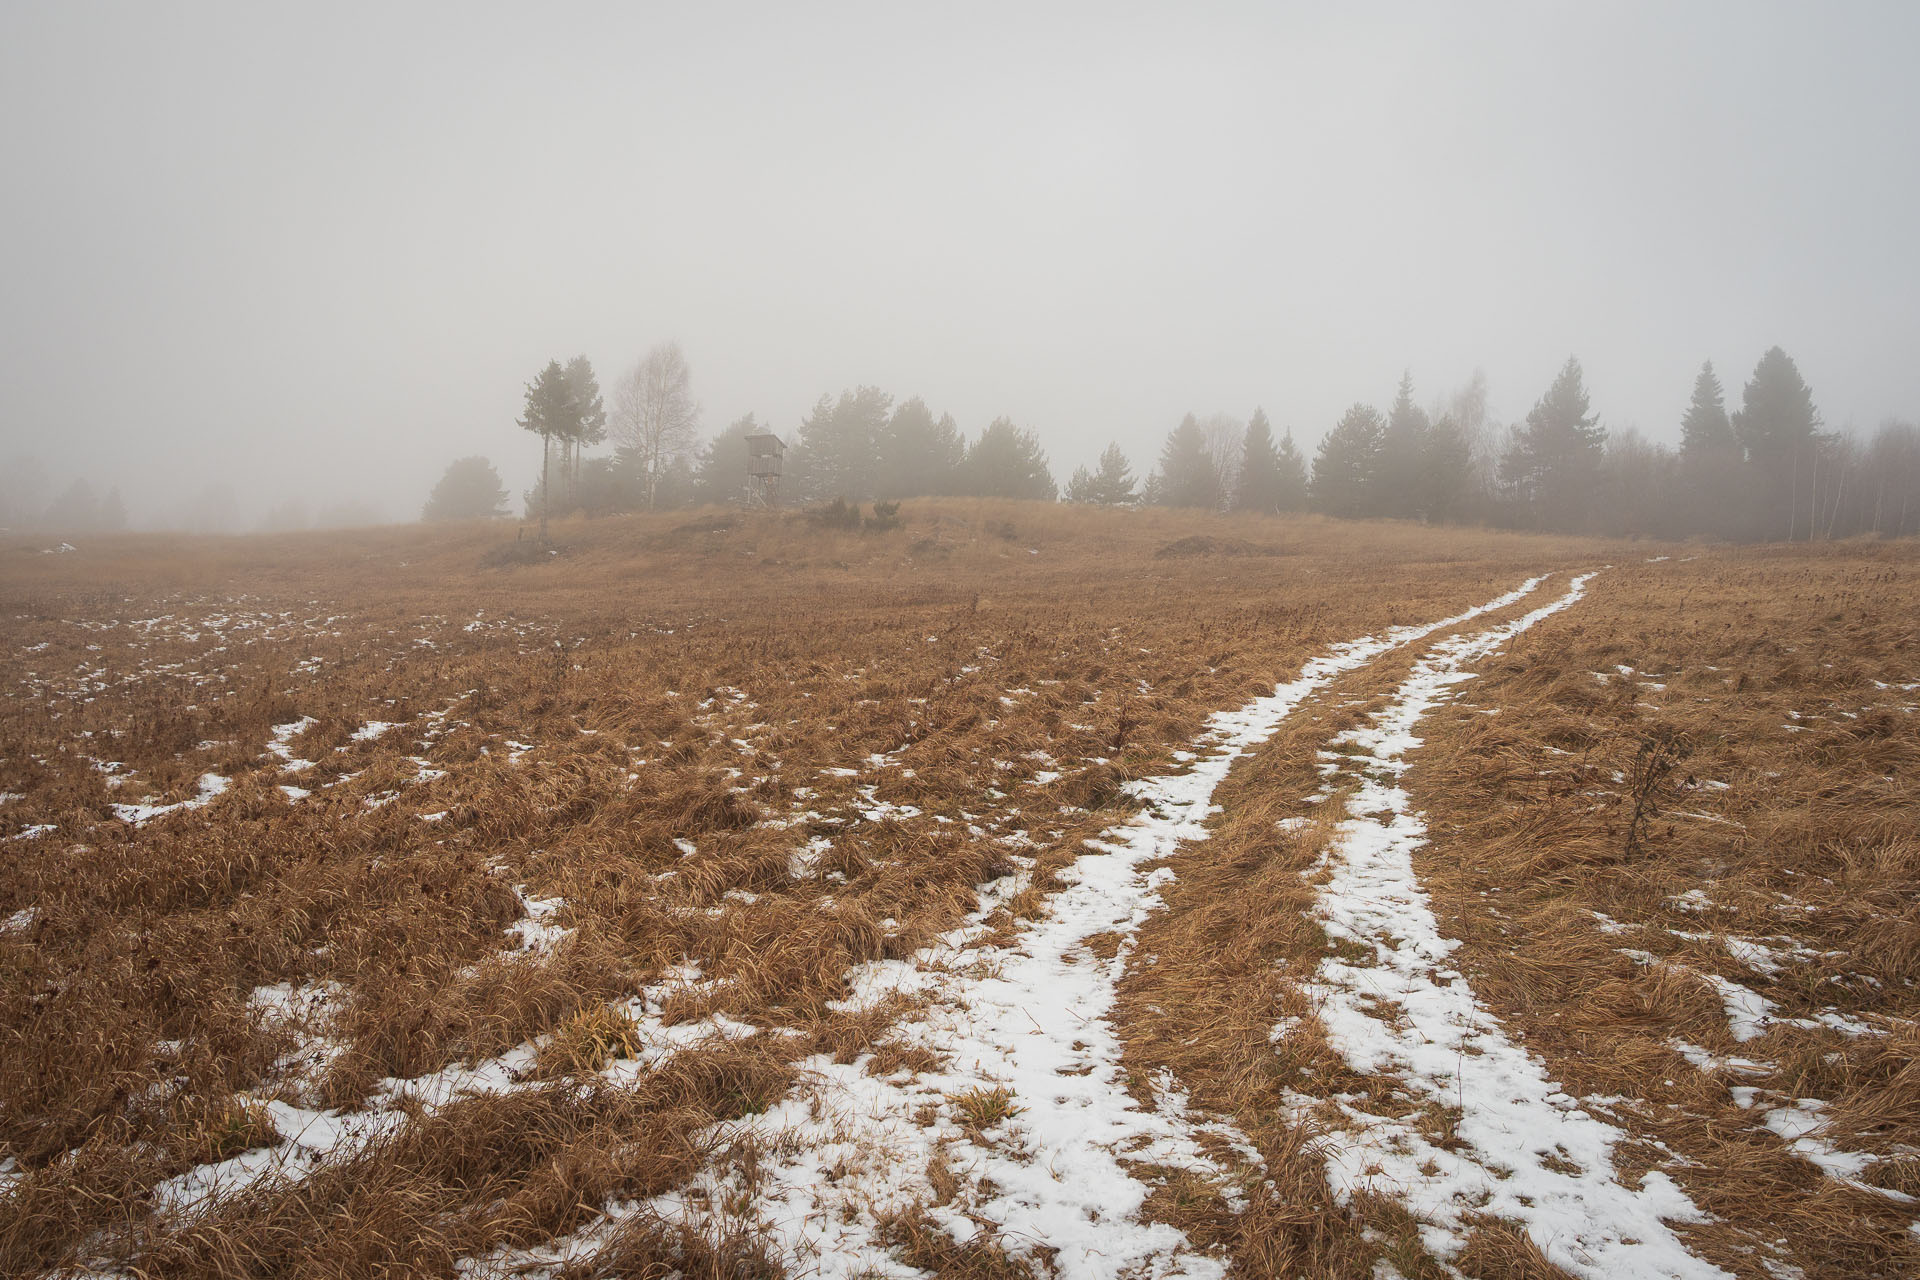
(1029, 890)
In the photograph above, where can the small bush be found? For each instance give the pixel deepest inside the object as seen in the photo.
(525, 551)
(885, 517)
(838, 514)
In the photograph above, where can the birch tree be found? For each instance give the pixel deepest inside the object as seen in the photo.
(655, 415)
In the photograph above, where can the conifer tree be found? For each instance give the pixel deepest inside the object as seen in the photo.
(917, 453)
(1555, 460)
(838, 444)
(1260, 478)
(588, 417)
(551, 413)
(1006, 462)
(1403, 455)
(1446, 471)
(1113, 479)
(1710, 461)
(1187, 477)
(1346, 469)
(1110, 485)
(720, 470)
(1706, 432)
(1293, 476)
(1779, 427)
(470, 489)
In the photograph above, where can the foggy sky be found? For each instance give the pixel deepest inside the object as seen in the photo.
(322, 248)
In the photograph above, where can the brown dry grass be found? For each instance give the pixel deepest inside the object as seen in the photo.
(570, 730)
(1770, 773)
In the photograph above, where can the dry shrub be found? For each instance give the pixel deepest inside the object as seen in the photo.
(588, 1041)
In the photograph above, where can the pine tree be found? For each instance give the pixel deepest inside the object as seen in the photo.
(1779, 428)
(587, 417)
(1111, 485)
(720, 470)
(1554, 464)
(1403, 455)
(1260, 484)
(550, 414)
(1292, 493)
(1113, 480)
(917, 454)
(1006, 462)
(839, 440)
(1346, 469)
(1187, 477)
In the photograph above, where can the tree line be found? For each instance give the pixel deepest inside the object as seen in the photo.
(1766, 470)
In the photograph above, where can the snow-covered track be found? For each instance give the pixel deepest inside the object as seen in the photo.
(1029, 1029)
(1521, 1148)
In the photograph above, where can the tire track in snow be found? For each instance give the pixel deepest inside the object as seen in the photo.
(847, 1149)
(1531, 1153)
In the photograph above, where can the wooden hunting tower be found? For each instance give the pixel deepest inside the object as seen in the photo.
(766, 453)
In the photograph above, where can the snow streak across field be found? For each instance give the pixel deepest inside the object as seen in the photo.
(1526, 1150)
(1030, 1113)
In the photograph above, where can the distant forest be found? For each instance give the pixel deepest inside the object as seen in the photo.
(1766, 470)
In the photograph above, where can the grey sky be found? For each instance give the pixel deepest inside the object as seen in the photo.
(322, 248)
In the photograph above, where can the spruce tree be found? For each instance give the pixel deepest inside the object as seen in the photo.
(1706, 431)
(1554, 464)
(1346, 469)
(1710, 461)
(1293, 476)
(1779, 429)
(1446, 471)
(1187, 477)
(1260, 478)
(1403, 455)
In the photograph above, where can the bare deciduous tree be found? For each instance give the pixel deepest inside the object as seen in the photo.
(655, 415)
(1225, 435)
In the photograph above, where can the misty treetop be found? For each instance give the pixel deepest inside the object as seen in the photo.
(470, 489)
(1765, 471)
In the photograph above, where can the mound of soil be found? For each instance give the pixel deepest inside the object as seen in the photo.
(1202, 545)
